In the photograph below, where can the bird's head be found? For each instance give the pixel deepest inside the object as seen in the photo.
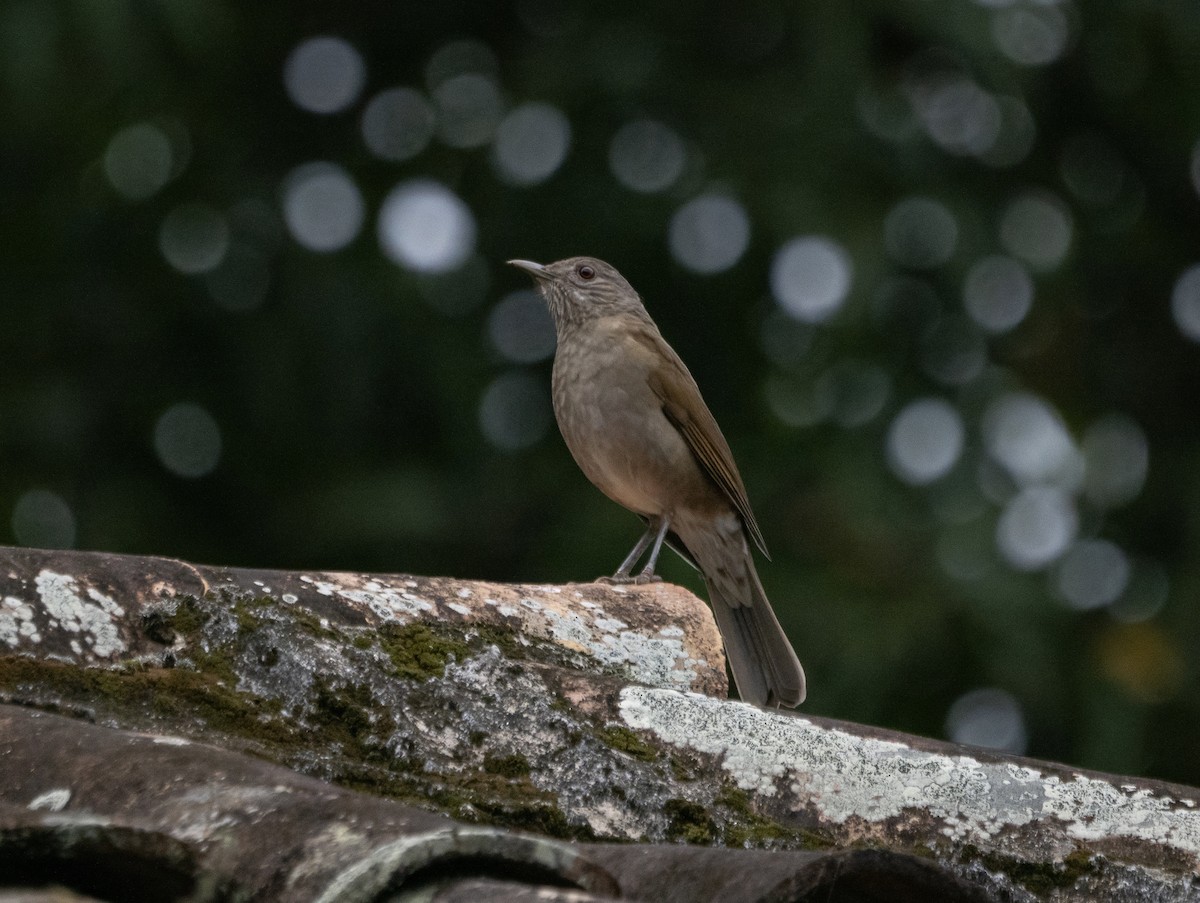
(581, 288)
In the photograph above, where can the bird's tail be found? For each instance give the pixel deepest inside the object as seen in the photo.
(765, 667)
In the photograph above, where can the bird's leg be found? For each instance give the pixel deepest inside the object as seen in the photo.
(647, 575)
(623, 574)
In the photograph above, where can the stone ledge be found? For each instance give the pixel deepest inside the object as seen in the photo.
(558, 711)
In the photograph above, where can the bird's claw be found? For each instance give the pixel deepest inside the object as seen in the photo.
(629, 579)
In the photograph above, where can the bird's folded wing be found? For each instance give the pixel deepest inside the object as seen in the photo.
(685, 408)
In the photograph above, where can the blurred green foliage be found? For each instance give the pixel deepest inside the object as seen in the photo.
(347, 398)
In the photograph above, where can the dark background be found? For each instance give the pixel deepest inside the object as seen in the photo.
(182, 373)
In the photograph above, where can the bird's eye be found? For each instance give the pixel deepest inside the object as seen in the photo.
(586, 272)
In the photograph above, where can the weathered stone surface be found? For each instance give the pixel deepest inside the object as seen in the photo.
(90, 607)
(557, 710)
(143, 817)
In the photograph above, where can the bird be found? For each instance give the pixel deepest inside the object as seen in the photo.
(633, 419)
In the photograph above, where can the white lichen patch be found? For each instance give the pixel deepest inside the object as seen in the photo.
(92, 617)
(52, 800)
(846, 776)
(569, 629)
(656, 660)
(324, 587)
(385, 602)
(17, 622)
(163, 740)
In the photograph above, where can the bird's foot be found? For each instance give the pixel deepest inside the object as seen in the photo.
(629, 579)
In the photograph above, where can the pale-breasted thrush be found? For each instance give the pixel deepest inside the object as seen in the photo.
(633, 418)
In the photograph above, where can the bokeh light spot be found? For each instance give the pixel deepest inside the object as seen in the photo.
(998, 293)
(42, 519)
(858, 391)
(193, 238)
(1145, 596)
(514, 412)
(960, 117)
(322, 207)
(1143, 660)
(647, 156)
(920, 232)
(520, 327)
(397, 124)
(1029, 439)
(1036, 527)
(797, 404)
(1037, 227)
(324, 74)
(424, 226)
(925, 440)
(810, 277)
(531, 143)
(187, 440)
(1031, 35)
(988, 717)
(460, 57)
(1117, 457)
(1185, 303)
(709, 234)
(1018, 132)
(138, 161)
(1092, 574)
(469, 108)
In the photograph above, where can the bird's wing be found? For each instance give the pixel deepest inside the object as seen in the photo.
(685, 408)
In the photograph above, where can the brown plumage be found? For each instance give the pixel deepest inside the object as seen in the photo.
(634, 420)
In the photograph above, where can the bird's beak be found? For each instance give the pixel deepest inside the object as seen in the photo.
(536, 270)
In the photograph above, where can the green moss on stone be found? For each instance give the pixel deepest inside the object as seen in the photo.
(343, 716)
(189, 617)
(548, 820)
(624, 740)
(247, 621)
(747, 828)
(506, 640)
(689, 822)
(309, 623)
(179, 694)
(1040, 878)
(418, 652)
(510, 766)
(514, 802)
